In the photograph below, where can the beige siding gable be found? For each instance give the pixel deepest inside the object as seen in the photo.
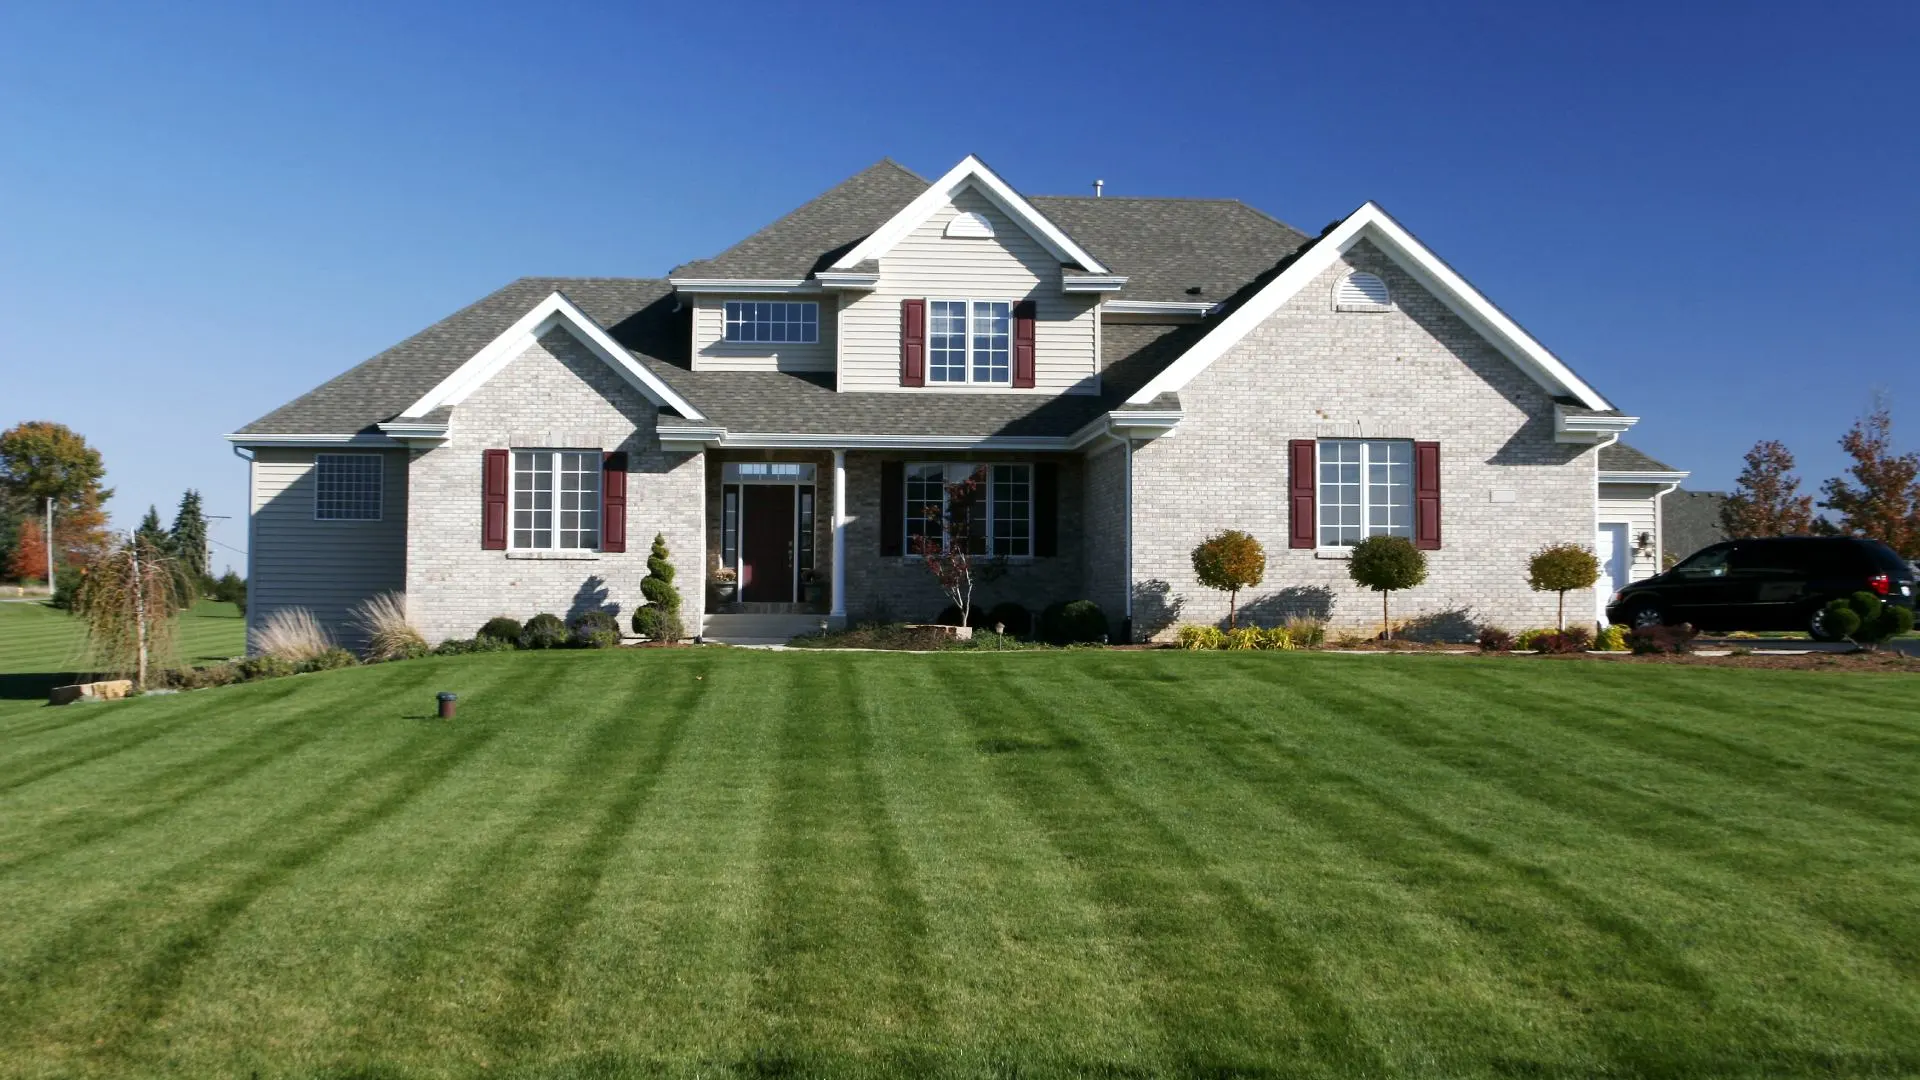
(711, 352)
(1011, 266)
(327, 567)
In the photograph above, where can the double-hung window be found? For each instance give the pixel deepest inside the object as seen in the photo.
(1366, 489)
(969, 341)
(777, 321)
(556, 500)
(1000, 522)
(346, 487)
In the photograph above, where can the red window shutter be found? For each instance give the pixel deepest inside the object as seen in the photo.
(893, 507)
(1023, 345)
(613, 502)
(1426, 495)
(913, 343)
(496, 478)
(1303, 508)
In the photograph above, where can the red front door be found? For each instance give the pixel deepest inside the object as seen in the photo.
(766, 543)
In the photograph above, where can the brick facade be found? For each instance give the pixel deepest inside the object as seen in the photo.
(556, 395)
(1414, 372)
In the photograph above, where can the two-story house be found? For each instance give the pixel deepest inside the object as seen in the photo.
(1125, 376)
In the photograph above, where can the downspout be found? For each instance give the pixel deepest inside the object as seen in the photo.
(1660, 525)
(1126, 529)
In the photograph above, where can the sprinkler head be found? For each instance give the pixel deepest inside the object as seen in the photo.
(447, 704)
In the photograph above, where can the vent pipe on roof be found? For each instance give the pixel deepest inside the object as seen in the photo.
(1097, 185)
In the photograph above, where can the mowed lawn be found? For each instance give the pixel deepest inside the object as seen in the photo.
(40, 645)
(713, 862)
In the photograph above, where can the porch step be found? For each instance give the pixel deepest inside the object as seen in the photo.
(758, 629)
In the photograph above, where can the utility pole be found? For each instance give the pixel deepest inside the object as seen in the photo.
(139, 610)
(206, 564)
(50, 585)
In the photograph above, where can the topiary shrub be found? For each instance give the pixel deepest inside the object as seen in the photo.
(595, 630)
(1662, 640)
(1015, 618)
(1243, 638)
(1561, 568)
(1201, 637)
(1387, 564)
(544, 631)
(1080, 622)
(1867, 619)
(1573, 639)
(1229, 561)
(1277, 637)
(501, 628)
(659, 618)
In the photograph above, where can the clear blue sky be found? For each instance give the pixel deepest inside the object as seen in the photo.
(1710, 211)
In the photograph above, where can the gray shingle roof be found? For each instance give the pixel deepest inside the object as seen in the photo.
(1689, 521)
(813, 235)
(1621, 457)
(1169, 247)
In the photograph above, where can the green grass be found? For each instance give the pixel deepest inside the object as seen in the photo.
(714, 862)
(37, 639)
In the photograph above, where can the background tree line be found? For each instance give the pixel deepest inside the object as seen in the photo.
(1877, 497)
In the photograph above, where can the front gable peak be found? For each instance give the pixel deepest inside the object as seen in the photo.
(971, 173)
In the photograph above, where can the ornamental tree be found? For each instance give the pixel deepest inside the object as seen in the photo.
(1229, 561)
(1387, 564)
(29, 560)
(41, 460)
(956, 558)
(1883, 501)
(129, 599)
(1561, 568)
(1766, 499)
(659, 618)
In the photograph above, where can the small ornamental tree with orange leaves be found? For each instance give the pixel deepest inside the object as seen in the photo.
(1230, 561)
(1883, 500)
(1766, 500)
(29, 561)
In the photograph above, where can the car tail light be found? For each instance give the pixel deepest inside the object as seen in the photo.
(1880, 583)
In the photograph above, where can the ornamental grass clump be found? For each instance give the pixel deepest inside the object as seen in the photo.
(1201, 637)
(659, 618)
(1387, 564)
(291, 634)
(1229, 561)
(390, 635)
(1307, 631)
(1562, 568)
(1243, 638)
(1278, 638)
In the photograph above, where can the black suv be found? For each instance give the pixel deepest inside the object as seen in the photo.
(1776, 583)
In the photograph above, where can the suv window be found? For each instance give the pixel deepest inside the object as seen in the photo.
(1707, 562)
(1767, 556)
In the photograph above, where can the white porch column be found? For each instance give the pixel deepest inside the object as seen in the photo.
(837, 618)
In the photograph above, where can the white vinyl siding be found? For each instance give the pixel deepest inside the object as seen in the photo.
(1010, 266)
(712, 352)
(1634, 505)
(325, 566)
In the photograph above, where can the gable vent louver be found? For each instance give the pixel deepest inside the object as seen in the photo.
(968, 225)
(1361, 291)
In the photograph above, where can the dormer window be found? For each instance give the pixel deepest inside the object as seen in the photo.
(958, 352)
(1361, 291)
(968, 225)
(773, 321)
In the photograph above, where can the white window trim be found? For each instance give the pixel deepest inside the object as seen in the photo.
(954, 472)
(1345, 551)
(726, 323)
(1013, 331)
(380, 492)
(514, 550)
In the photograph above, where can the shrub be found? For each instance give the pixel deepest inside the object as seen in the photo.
(1080, 622)
(1387, 564)
(1307, 631)
(1612, 639)
(1017, 620)
(1658, 640)
(500, 628)
(1867, 619)
(1277, 637)
(1229, 561)
(595, 630)
(454, 646)
(1495, 639)
(291, 634)
(1202, 637)
(543, 631)
(66, 587)
(1527, 640)
(266, 666)
(200, 678)
(1243, 638)
(332, 660)
(231, 588)
(390, 634)
(1573, 639)
(1559, 568)
(950, 616)
(483, 643)
(659, 618)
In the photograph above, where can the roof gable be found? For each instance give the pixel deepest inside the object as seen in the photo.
(810, 237)
(1371, 223)
(970, 173)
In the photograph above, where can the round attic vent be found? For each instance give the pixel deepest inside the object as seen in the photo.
(1361, 291)
(970, 226)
